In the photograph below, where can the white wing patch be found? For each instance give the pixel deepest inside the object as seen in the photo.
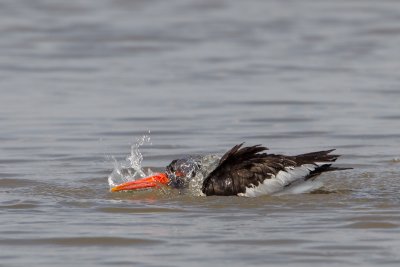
(278, 182)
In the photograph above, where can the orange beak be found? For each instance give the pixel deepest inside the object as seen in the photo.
(147, 182)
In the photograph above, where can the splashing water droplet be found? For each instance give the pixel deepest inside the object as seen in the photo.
(208, 163)
(131, 169)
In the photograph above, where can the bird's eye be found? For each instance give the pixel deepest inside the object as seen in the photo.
(179, 174)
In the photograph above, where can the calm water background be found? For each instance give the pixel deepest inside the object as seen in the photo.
(81, 80)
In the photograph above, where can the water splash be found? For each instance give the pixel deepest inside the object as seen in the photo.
(131, 169)
(208, 163)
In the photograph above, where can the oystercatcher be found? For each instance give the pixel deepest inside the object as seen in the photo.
(242, 171)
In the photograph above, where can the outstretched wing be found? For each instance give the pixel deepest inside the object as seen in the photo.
(245, 168)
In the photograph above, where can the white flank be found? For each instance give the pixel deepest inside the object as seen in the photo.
(278, 182)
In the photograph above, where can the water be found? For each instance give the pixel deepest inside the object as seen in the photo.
(131, 169)
(80, 81)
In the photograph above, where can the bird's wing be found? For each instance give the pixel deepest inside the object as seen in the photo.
(245, 167)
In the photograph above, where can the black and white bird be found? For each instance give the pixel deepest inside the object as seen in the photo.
(241, 171)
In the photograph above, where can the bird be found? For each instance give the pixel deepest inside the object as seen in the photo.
(246, 171)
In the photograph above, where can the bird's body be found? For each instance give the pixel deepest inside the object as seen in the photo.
(246, 171)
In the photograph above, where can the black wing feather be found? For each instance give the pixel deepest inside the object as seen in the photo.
(243, 167)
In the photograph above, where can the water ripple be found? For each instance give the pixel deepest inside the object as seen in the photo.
(103, 241)
(371, 225)
(15, 183)
(138, 210)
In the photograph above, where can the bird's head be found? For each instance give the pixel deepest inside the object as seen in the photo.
(177, 175)
(181, 171)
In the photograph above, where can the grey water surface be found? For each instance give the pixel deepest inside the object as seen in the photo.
(80, 80)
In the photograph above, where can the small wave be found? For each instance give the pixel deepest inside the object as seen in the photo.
(138, 210)
(395, 160)
(81, 241)
(20, 205)
(15, 183)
